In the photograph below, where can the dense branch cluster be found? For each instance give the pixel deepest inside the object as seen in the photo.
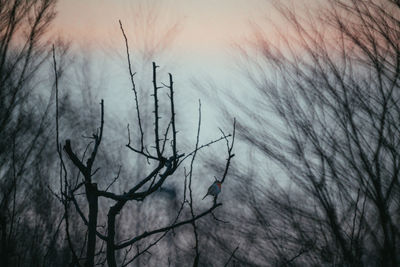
(165, 166)
(317, 182)
(333, 88)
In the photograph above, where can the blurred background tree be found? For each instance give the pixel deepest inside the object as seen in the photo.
(316, 180)
(28, 219)
(323, 124)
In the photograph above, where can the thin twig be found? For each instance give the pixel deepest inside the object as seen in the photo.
(203, 146)
(165, 138)
(196, 261)
(232, 254)
(115, 179)
(62, 167)
(219, 220)
(133, 88)
(229, 148)
(156, 117)
(174, 132)
(161, 230)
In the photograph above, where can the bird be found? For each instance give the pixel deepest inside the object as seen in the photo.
(214, 189)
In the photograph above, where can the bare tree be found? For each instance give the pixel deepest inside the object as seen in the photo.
(28, 226)
(326, 115)
(150, 30)
(164, 159)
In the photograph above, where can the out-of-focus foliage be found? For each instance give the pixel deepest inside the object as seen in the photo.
(325, 121)
(28, 218)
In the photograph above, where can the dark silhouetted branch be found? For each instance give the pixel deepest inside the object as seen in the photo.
(131, 74)
(161, 230)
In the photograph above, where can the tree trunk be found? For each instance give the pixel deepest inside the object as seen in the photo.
(91, 190)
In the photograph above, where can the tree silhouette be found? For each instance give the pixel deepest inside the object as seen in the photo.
(326, 115)
(28, 227)
(163, 157)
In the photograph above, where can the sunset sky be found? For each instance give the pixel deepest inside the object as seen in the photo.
(204, 25)
(200, 49)
(204, 35)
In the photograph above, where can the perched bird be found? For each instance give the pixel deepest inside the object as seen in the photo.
(214, 189)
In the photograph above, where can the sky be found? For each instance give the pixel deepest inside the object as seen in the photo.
(203, 38)
(199, 50)
(206, 25)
